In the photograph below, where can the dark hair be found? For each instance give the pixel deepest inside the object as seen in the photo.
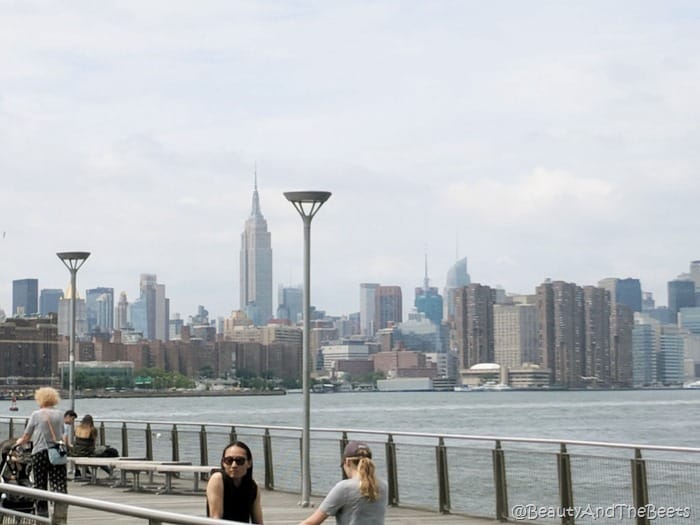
(248, 475)
(70, 413)
(87, 420)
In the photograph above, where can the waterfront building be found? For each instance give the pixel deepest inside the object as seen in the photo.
(621, 325)
(30, 354)
(404, 363)
(457, 278)
(482, 373)
(291, 303)
(670, 363)
(256, 265)
(515, 333)
(689, 319)
(25, 297)
(562, 331)
(346, 351)
(596, 353)
(474, 325)
(388, 307)
(48, 301)
(644, 350)
(367, 308)
(65, 313)
(91, 307)
(529, 375)
(624, 291)
(681, 294)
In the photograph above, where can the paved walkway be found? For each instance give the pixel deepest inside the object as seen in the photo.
(279, 508)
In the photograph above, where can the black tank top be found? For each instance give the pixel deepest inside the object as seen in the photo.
(238, 501)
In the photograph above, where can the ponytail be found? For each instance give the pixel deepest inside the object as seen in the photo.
(368, 481)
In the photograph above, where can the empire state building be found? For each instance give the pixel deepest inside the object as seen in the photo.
(256, 265)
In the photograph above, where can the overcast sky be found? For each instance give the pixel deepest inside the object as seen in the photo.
(540, 139)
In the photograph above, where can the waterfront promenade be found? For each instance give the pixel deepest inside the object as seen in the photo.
(280, 508)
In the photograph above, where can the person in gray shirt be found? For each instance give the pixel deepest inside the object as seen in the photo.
(359, 500)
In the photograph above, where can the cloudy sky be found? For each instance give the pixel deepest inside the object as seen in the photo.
(540, 139)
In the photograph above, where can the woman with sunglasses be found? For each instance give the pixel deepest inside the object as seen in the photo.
(232, 494)
(359, 500)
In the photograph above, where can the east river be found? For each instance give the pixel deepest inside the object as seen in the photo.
(657, 417)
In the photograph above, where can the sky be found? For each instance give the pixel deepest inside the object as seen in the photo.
(539, 139)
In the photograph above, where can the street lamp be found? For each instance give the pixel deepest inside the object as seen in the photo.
(73, 261)
(307, 203)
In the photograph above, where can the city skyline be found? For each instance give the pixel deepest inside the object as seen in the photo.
(556, 142)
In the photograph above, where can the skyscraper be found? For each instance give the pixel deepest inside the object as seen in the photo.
(368, 292)
(388, 308)
(25, 297)
(291, 303)
(624, 291)
(256, 264)
(457, 278)
(474, 325)
(48, 300)
(681, 294)
(428, 301)
(121, 319)
(91, 297)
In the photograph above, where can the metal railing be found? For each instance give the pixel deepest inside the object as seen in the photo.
(63, 501)
(505, 478)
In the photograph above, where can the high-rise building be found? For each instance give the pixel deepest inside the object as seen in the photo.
(121, 319)
(368, 292)
(624, 291)
(105, 313)
(457, 278)
(643, 355)
(91, 297)
(681, 294)
(150, 313)
(25, 297)
(147, 288)
(388, 307)
(515, 335)
(474, 325)
(48, 300)
(256, 264)
(65, 314)
(428, 301)
(291, 303)
(562, 330)
(695, 273)
(596, 302)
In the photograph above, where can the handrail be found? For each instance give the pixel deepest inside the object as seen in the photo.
(466, 437)
(156, 516)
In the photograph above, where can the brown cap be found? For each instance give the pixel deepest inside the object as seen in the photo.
(356, 449)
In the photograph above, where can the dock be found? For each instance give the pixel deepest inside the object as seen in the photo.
(279, 508)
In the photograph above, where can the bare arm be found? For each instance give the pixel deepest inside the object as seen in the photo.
(23, 439)
(316, 518)
(215, 496)
(257, 510)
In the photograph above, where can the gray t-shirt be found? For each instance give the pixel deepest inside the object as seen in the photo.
(38, 427)
(350, 507)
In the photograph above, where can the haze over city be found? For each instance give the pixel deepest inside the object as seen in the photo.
(540, 140)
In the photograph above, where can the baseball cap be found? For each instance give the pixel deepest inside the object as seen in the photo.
(356, 449)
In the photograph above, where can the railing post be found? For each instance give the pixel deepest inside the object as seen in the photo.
(343, 443)
(499, 481)
(59, 516)
(640, 491)
(443, 477)
(103, 439)
(566, 493)
(149, 442)
(175, 438)
(11, 428)
(232, 436)
(392, 476)
(203, 449)
(125, 440)
(269, 471)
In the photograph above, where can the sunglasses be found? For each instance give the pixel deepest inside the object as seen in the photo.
(238, 460)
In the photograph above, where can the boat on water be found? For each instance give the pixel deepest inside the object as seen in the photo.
(13, 405)
(694, 384)
(491, 386)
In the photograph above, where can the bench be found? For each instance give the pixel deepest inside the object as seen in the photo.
(97, 462)
(169, 470)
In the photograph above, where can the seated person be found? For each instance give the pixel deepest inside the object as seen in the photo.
(84, 439)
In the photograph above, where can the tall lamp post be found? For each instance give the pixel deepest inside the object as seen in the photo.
(73, 261)
(307, 203)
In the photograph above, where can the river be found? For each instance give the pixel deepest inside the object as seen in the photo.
(658, 417)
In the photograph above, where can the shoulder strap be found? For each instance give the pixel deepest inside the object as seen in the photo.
(53, 434)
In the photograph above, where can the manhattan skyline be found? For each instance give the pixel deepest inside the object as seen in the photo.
(537, 140)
